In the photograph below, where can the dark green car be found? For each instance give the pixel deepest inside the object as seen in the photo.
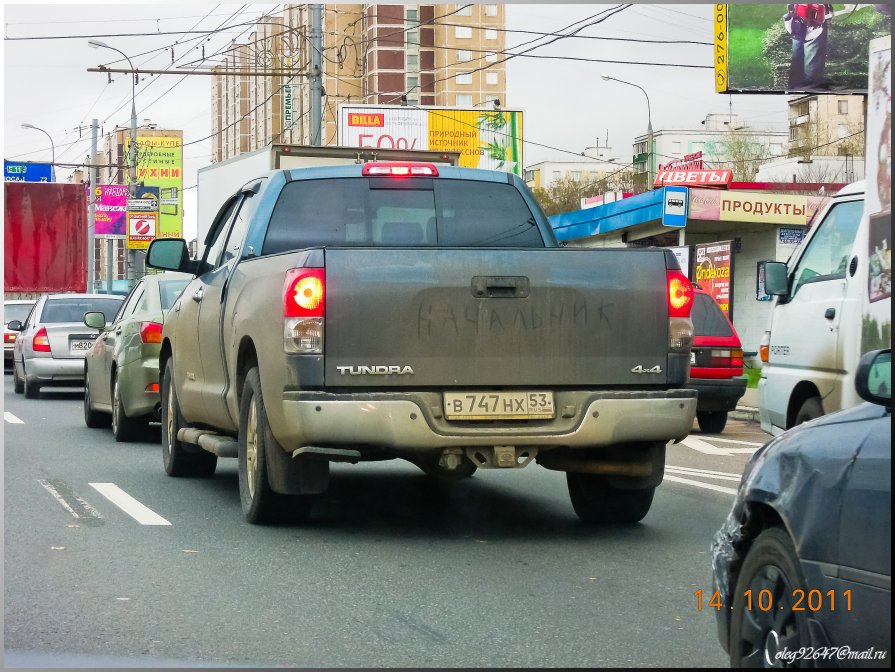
(121, 369)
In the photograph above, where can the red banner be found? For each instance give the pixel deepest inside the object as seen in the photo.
(690, 178)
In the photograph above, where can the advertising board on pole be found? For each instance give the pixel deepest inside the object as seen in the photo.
(143, 218)
(794, 48)
(160, 165)
(713, 271)
(489, 139)
(111, 209)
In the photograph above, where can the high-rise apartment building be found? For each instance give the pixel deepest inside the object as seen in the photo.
(442, 55)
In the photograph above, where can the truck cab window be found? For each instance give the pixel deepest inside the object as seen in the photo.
(215, 248)
(829, 251)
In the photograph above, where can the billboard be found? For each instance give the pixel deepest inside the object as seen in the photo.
(160, 164)
(143, 218)
(877, 320)
(484, 138)
(754, 206)
(713, 271)
(25, 171)
(111, 206)
(791, 48)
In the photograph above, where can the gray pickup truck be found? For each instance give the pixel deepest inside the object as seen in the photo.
(404, 310)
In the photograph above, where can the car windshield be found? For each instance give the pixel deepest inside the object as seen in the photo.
(169, 290)
(708, 319)
(58, 311)
(16, 311)
(382, 211)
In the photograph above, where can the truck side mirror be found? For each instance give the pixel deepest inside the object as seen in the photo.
(776, 280)
(873, 380)
(169, 254)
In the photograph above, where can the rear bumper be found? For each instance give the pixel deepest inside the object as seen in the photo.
(49, 370)
(717, 395)
(414, 422)
(134, 378)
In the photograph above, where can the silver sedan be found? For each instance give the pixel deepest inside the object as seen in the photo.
(53, 340)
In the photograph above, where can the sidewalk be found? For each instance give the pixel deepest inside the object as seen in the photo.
(747, 408)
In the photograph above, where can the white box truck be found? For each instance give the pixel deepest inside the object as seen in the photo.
(219, 181)
(834, 295)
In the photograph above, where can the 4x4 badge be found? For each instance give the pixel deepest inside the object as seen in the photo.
(639, 369)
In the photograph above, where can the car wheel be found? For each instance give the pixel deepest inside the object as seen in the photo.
(123, 427)
(810, 409)
(93, 419)
(596, 501)
(260, 504)
(32, 389)
(17, 383)
(763, 621)
(712, 422)
(178, 459)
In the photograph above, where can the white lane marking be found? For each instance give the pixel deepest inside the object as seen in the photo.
(87, 511)
(707, 448)
(707, 486)
(11, 419)
(139, 512)
(742, 443)
(705, 473)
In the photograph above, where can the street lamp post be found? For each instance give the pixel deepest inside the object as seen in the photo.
(649, 128)
(52, 150)
(132, 150)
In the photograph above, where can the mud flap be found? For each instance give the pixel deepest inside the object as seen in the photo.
(302, 475)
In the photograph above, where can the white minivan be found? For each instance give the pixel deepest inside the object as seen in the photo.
(819, 325)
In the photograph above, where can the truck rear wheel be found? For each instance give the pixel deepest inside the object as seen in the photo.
(178, 460)
(596, 501)
(260, 504)
(712, 422)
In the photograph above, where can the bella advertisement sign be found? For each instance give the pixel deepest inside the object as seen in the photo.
(160, 164)
(484, 138)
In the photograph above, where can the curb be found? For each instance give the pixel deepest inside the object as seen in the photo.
(746, 413)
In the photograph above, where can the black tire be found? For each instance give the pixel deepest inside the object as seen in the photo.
(32, 390)
(17, 383)
(810, 409)
(93, 419)
(260, 504)
(596, 501)
(756, 634)
(124, 427)
(177, 458)
(712, 422)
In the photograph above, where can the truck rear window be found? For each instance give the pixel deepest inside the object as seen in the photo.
(384, 212)
(708, 319)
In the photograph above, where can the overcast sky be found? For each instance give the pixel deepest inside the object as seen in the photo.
(567, 106)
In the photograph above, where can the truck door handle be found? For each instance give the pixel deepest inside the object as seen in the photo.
(500, 286)
(197, 297)
(118, 331)
(830, 313)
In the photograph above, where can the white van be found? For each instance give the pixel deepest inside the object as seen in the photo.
(819, 325)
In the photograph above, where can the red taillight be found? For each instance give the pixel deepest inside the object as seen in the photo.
(680, 294)
(152, 388)
(304, 293)
(9, 338)
(150, 332)
(41, 342)
(391, 169)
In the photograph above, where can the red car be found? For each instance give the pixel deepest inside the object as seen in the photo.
(716, 363)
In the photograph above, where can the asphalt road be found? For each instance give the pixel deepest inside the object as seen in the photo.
(389, 572)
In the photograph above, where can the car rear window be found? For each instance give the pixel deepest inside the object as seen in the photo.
(57, 311)
(708, 319)
(169, 290)
(16, 311)
(386, 212)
